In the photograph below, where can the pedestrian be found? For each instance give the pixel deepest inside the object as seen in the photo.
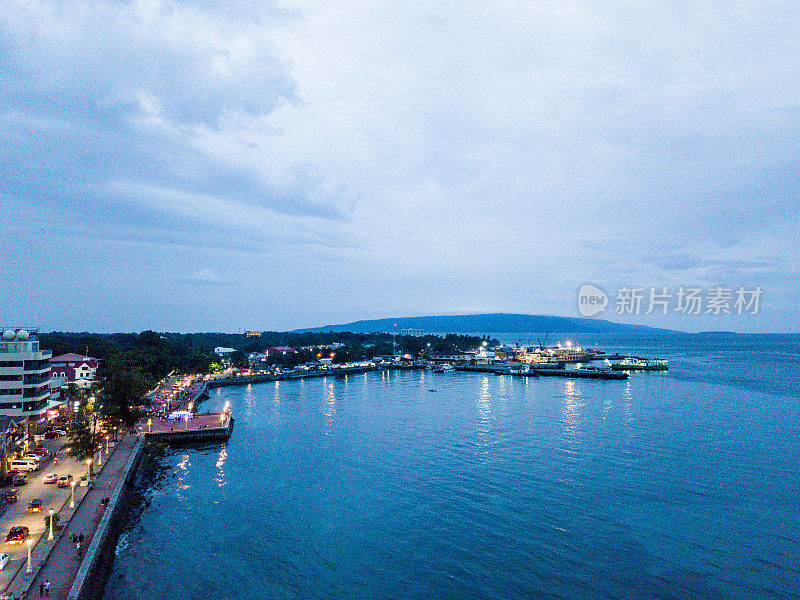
(80, 538)
(47, 588)
(71, 536)
(41, 589)
(78, 548)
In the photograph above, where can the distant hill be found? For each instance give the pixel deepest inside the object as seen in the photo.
(489, 323)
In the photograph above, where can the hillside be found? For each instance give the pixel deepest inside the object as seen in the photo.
(491, 322)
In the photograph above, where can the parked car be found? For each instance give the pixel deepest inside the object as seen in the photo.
(53, 435)
(20, 479)
(35, 505)
(17, 535)
(10, 496)
(4, 557)
(64, 480)
(25, 464)
(30, 456)
(39, 451)
(50, 478)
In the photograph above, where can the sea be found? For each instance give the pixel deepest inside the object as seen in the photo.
(394, 485)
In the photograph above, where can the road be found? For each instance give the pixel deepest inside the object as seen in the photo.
(52, 497)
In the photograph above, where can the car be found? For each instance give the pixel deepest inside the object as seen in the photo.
(53, 435)
(34, 457)
(50, 478)
(35, 505)
(13, 472)
(39, 451)
(10, 496)
(64, 480)
(20, 479)
(60, 432)
(4, 557)
(17, 535)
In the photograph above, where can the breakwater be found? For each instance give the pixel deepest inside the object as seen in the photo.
(248, 379)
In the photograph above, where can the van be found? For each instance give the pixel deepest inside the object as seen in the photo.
(25, 465)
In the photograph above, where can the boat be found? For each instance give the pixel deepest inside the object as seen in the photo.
(641, 364)
(443, 368)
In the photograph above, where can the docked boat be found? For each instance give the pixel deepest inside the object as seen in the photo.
(641, 364)
(443, 368)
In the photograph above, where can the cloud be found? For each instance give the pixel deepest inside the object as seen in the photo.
(425, 154)
(203, 277)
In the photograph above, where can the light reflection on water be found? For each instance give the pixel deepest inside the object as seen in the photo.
(492, 487)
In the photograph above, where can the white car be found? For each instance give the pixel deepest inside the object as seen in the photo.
(50, 478)
(3, 560)
(35, 457)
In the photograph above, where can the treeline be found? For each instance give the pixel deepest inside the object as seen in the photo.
(149, 354)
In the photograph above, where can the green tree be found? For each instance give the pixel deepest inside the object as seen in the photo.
(121, 397)
(80, 435)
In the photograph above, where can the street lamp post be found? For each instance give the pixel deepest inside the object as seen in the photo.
(50, 533)
(106, 444)
(186, 421)
(72, 498)
(149, 425)
(88, 468)
(29, 568)
(100, 457)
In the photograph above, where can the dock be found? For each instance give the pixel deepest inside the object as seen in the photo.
(202, 427)
(578, 374)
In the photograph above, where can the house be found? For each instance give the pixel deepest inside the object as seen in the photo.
(275, 350)
(452, 356)
(74, 368)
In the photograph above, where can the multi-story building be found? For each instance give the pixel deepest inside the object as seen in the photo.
(24, 375)
(74, 368)
(413, 332)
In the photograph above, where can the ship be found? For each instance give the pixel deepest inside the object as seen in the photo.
(641, 364)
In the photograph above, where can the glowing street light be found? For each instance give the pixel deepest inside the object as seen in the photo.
(29, 568)
(186, 421)
(100, 457)
(88, 467)
(149, 425)
(107, 441)
(50, 534)
(72, 498)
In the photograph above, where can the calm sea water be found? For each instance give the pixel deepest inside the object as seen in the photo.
(419, 485)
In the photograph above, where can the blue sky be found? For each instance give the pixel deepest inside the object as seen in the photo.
(179, 166)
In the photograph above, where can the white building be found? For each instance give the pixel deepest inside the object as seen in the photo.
(24, 375)
(413, 332)
(222, 350)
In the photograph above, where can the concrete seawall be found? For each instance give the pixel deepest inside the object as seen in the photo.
(189, 436)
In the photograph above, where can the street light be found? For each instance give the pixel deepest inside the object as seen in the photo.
(221, 418)
(107, 443)
(29, 568)
(149, 425)
(186, 420)
(88, 468)
(100, 457)
(72, 498)
(50, 535)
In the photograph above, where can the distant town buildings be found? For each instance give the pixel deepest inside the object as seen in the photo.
(222, 350)
(25, 376)
(73, 368)
(275, 350)
(412, 332)
(252, 333)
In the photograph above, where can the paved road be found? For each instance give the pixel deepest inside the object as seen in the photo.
(52, 497)
(63, 563)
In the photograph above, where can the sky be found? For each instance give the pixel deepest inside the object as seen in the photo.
(185, 166)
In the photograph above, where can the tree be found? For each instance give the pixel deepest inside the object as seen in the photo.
(121, 397)
(80, 435)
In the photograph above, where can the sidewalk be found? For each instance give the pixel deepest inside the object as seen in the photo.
(62, 564)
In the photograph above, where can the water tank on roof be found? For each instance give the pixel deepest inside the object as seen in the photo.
(23, 335)
(9, 335)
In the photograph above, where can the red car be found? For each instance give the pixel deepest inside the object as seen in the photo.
(38, 451)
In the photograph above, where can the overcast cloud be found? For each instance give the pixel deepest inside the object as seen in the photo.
(179, 166)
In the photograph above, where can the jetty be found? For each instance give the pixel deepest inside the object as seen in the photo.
(580, 374)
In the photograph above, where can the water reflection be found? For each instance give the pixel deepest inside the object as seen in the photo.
(484, 413)
(223, 456)
(181, 471)
(571, 417)
(329, 405)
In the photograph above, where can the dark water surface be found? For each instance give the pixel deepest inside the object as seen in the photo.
(669, 485)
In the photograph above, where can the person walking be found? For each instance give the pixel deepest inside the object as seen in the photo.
(46, 588)
(80, 538)
(78, 548)
(41, 589)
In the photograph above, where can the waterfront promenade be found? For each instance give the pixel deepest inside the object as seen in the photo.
(57, 561)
